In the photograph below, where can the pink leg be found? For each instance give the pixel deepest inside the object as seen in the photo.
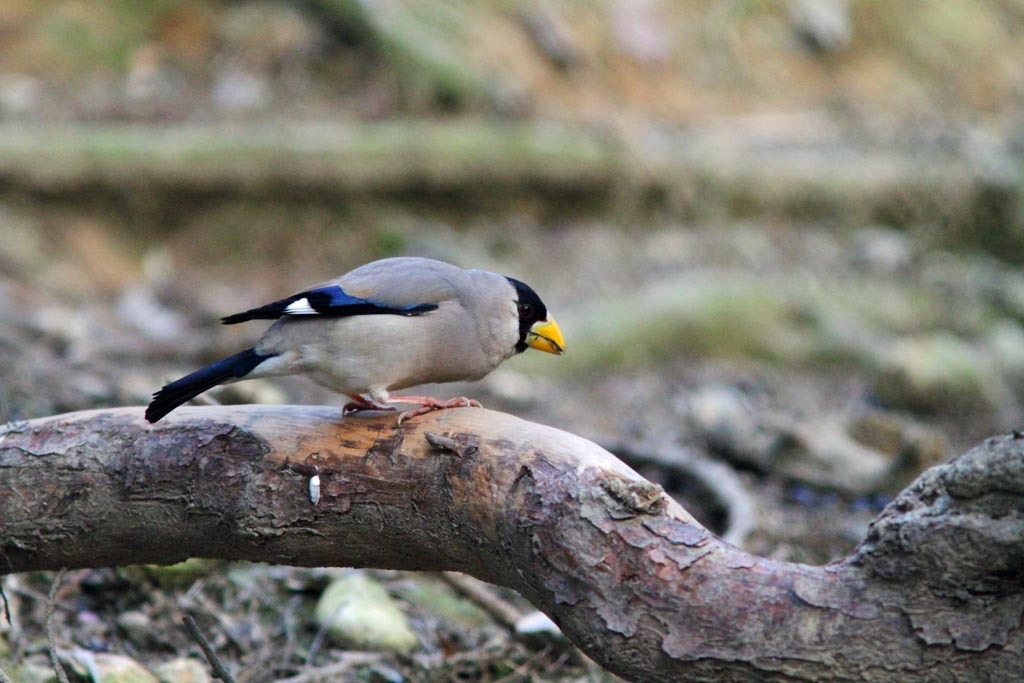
(360, 402)
(429, 403)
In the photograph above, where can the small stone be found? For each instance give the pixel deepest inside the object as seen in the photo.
(109, 668)
(823, 26)
(35, 669)
(639, 30)
(358, 613)
(20, 95)
(882, 250)
(538, 623)
(723, 417)
(237, 90)
(137, 628)
(935, 373)
(182, 670)
(822, 453)
(912, 447)
(139, 308)
(1006, 342)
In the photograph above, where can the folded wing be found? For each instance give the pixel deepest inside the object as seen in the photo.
(330, 301)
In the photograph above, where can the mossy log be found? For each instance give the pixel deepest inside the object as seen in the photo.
(934, 593)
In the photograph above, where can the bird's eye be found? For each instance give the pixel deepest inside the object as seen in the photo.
(525, 310)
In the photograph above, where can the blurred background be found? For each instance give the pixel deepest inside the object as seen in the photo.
(783, 239)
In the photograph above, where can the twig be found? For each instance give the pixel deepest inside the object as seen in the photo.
(51, 638)
(332, 671)
(482, 594)
(318, 642)
(7, 604)
(211, 657)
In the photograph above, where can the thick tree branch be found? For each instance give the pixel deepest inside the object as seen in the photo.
(934, 593)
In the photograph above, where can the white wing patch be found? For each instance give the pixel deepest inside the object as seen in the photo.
(299, 307)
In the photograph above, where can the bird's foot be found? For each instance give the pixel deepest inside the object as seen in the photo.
(360, 403)
(429, 404)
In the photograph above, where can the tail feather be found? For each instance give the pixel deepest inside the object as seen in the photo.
(177, 392)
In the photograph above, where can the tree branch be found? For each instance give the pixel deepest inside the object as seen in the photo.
(934, 593)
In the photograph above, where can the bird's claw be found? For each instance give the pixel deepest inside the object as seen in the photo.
(361, 403)
(428, 405)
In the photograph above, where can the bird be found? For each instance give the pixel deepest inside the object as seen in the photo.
(384, 326)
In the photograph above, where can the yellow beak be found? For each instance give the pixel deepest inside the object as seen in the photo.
(545, 336)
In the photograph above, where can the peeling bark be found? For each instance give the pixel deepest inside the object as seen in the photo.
(933, 594)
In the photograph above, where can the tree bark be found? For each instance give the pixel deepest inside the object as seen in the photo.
(934, 593)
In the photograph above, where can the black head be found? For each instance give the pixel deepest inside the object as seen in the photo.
(531, 310)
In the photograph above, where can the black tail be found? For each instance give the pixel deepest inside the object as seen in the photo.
(180, 390)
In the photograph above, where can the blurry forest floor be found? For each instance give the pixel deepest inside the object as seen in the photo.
(795, 256)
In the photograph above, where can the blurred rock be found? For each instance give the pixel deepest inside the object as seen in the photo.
(855, 455)
(639, 30)
(34, 669)
(238, 90)
(723, 417)
(823, 26)
(109, 668)
(822, 453)
(357, 612)
(937, 372)
(61, 326)
(139, 308)
(138, 629)
(997, 205)
(182, 670)
(882, 250)
(20, 95)
(1005, 341)
(22, 245)
(910, 446)
(1008, 295)
(271, 35)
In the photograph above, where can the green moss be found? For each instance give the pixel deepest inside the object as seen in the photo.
(397, 155)
(937, 372)
(685, 318)
(34, 670)
(182, 574)
(442, 602)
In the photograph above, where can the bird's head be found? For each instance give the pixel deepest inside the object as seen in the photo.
(537, 329)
